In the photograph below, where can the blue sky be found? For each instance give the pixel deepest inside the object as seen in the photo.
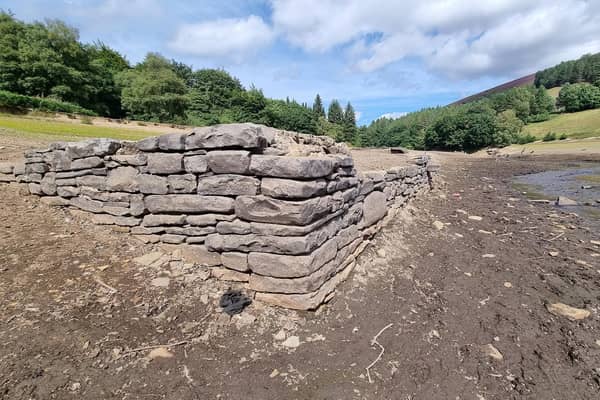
(386, 57)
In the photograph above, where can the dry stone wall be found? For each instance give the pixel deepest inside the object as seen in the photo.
(284, 212)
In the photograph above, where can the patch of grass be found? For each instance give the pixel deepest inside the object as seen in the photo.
(577, 125)
(589, 178)
(43, 128)
(549, 137)
(553, 92)
(532, 192)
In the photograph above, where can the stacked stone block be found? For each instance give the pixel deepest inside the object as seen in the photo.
(284, 212)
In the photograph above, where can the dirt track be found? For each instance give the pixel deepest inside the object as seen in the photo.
(64, 335)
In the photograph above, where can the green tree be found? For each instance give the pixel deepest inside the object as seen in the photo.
(289, 116)
(318, 107)
(152, 91)
(335, 114)
(578, 97)
(11, 34)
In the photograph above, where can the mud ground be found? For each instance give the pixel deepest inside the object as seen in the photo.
(81, 320)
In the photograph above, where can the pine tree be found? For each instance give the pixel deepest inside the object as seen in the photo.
(349, 115)
(318, 107)
(335, 114)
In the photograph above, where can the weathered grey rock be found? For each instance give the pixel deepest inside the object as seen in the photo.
(374, 208)
(565, 201)
(35, 188)
(67, 191)
(172, 141)
(31, 177)
(231, 135)
(48, 184)
(109, 197)
(135, 160)
(94, 147)
(136, 205)
(196, 164)
(208, 219)
(173, 239)
(308, 301)
(86, 204)
(265, 209)
(152, 184)
(235, 260)
(6, 168)
(165, 163)
(191, 230)
(19, 168)
(66, 182)
(261, 228)
(147, 144)
(293, 245)
(37, 168)
(182, 183)
(228, 185)
(347, 236)
(58, 160)
(353, 215)
(7, 178)
(87, 163)
(123, 179)
(93, 181)
(305, 284)
(188, 203)
(375, 176)
(75, 174)
(236, 227)
(195, 239)
(55, 201)
(229, 161)
(162, 220)
(291, 167)
(285, 266)
(144, 230)
(292, 189)
(104, 219)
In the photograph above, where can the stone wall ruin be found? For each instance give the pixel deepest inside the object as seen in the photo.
(285, 213)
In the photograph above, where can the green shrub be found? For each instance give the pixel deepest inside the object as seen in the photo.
(563, 136)
(20, 102)
(142, 123)
(86, 120)
(548, 137)
(524, 139)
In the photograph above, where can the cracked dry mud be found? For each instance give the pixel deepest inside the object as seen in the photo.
(465, 326)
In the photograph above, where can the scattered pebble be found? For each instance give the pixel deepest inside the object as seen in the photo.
(274, 373)
(508, 285)
(492, 352)
(564, 310)
(160, 352)
(439, 225)
(292, 342)
(161, 282)
(488, 256)
(553, 253)
(475, 218)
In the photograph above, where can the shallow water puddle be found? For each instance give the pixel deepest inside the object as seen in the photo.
(579, 184)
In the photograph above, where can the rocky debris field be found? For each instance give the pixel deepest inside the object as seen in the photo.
(476, 294)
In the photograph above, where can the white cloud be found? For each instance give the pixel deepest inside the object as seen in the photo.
(460, 38)
(393, 115)
(228, 38)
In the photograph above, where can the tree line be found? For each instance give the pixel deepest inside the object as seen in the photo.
(45, 65)
(496, 120)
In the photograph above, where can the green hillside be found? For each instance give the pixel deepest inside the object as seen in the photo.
(577, 125)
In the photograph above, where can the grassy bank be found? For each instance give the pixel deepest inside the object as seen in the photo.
(577, 125)
(42, 128)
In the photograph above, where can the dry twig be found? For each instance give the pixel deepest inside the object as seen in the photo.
(153, 347)
(375, 342)
(104, 285)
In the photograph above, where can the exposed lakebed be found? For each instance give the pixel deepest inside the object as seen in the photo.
(579, 184)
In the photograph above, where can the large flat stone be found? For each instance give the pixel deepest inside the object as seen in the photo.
(266, 209)
(208, 219)
(94, 147)
(285, 266)
(172, 141)
(105, 219)
(188, 203)
(165, 163)
(262, 228)
(307, 301)
(292, 189)
(230, 135)
(152, 184)
(123, 179)
(197, 164)
(87, 163)
(162, 220)
(235, 260)
(291, 167)
(374, 208)
(182, 183)
(228, 185)
(229, 161)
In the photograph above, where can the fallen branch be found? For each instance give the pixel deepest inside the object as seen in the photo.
(153, 347)
(375, 342)
(104, 285)
(556, 237)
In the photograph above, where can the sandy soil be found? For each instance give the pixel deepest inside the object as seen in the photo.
(437, 298)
